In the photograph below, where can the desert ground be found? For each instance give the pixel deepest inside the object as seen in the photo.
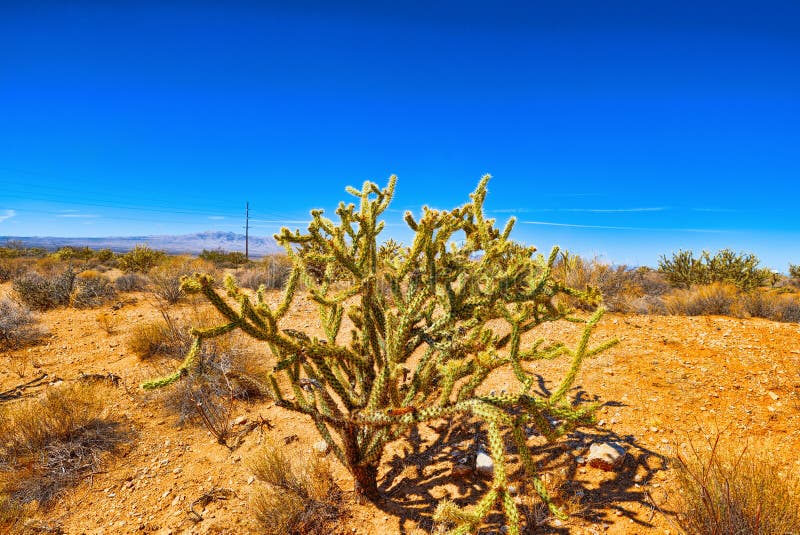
(672, 382)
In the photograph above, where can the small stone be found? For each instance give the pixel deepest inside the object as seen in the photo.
(461, 470)
(512, 490)
(484, 464)
(241, 420)
(773, 395)
(320, 447)
(250, 480)
(606, 456)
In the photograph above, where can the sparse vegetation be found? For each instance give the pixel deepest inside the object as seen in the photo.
(18, 326)
(107, 322)
(165, 278)
(728, 492)
(441, 299)
(294, 501)
(91, 289)
(140, 259)
(272, 273)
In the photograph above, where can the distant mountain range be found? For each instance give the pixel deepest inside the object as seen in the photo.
(186, 243)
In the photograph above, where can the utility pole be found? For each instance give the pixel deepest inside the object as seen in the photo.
(247, 231)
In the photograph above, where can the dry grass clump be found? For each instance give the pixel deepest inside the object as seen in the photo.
(51, 443)
(43, 292)
(732, 493)
(18, 325)
(292, 501)
(772, 305)
(161, 337)
(272, 272)
(91, 289)
(107, 322)
(717, 298)
(11, 268)
(131, 282)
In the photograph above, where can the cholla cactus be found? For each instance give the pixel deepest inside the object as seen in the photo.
(421, 344)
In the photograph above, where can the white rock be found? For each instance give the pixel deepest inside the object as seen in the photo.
(606, 456)
(320, 448)
(484, 464)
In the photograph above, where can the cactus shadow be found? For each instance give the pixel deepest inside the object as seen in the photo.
(421, 474)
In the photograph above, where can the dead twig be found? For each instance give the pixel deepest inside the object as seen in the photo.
(19, 390)
(214, 494)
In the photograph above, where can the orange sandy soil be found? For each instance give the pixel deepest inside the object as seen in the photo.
(671, 381)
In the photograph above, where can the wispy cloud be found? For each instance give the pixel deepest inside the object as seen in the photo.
(590, 210)
(7, 214)
(73, 214)
(726, 210)
(216, 217)
(610, 227)
(283, 221)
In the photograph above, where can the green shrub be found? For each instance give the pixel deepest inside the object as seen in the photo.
(74, 253)
(454, 314)
(223, 258)
(740, 269)
(794, 271)
(41, 292)
(140, 259)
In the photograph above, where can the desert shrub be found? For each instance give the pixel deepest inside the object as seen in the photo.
(140, 259)
(16, 249)
(41, 292)
(272, 272)
(647, 304)
(74, 253)
(104, 255)
(618, 285)
(740, 269)
(293, 501)
(18, 326)
(131, 282)
(161, 337)
(222, 258)
(92, 289)
(456, 313)
(165, 278)
(51, 443)
(11, 268)
(730, 493)
(712, 299)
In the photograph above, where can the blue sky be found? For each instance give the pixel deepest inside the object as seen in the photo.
(621, 129)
